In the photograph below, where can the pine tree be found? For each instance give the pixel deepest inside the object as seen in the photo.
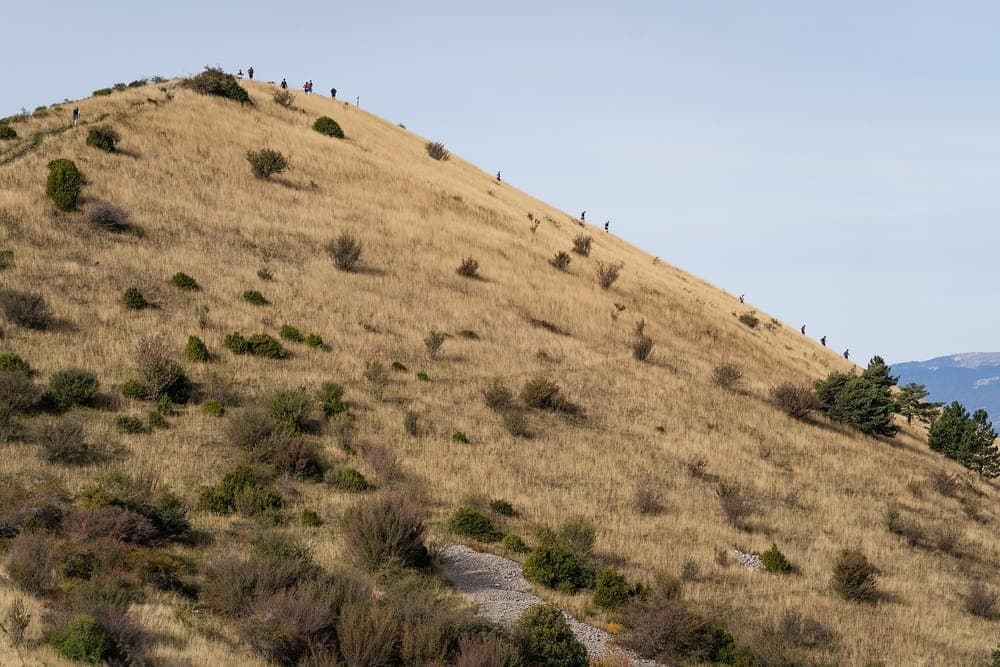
(878, 373)
(864, 404)
(970, 440)
(948, 430)
(910, 403)
(982, 455)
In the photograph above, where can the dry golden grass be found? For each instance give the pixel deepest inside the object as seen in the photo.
(186, 184)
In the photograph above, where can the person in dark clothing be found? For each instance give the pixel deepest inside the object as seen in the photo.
(499, 180)
(607, 225)
(284, 85)
(741, 298)
(333, 93)
(823, 341)
(239, 74)
(583, 217)
(847, 354)
(250, 73)
(76, 115)
(803, 330)
(305, 87)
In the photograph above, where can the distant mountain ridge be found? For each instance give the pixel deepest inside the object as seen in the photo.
(971, 378)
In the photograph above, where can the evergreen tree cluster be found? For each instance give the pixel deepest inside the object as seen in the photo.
(968, 439)
(865, 402)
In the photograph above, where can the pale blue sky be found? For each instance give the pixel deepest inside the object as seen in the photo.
(837, 162)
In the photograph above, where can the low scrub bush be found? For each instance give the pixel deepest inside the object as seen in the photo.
(410, 423)
(11, 362)
(103, 137)
(548, 639)
(315, 341)
(7, 132)
(133, 299)
(437, 151)
(310, 518)
(344, 251)
(368, 635)
(331, 399)
(544, 394)
(26, 309)
(185, 282)
(384, 532)
(329, 127)
(83, 640)
(515, 423)
(502, 507)
(109, 218)
(611, 589)
(32, 562)
(981, 601)
(468, 268)
(64, 184)
(17, 393)
(581, 244)
(498, 397)
(213, 408)
(346, 478)
(159, 373)
(561, 260)
(647, 499)
(213, 81)
(129, 424)
(284, 98)
(196, 351)
(259, 345)
(642, 344)
(241, 489)
(299, 458)
(726, 375)
(266, 162)
(750, 320)
(607, 273)
(736, 503)
(433, 343)
(292, 409)
(102, 92)
(775, 561)
(664, 627)
(854, 577)
(255, 297)
(469, 522)
(288, 332)
(63, 441)
(72, 387)
(514, 543)
(135, 390)
(460, 437)
(795, 401)
(556, 566)
(803, 631)
(378, 378)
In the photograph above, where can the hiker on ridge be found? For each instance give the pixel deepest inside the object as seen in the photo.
(607, 225)
(847, 354)
(239, 74)
(250, 73)
(333, 93)
(284, 85)
(583, 217)
(76, 115)
(803, 330)
(823, 341)
(498, 177)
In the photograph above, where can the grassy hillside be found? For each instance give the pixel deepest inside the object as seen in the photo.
(659, 427)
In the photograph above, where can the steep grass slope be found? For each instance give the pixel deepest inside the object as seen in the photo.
(182, 176)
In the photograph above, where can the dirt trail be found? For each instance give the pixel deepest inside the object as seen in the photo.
(497, 586)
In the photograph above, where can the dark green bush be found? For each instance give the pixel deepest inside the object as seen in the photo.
(71, 387)
(27, 309)
(581, 244)
(329, 127)
(502, 507)
(548, 639)
(750, 320)
(775, 561)
(135, 390)
(469, 268)
(854, 578)
(195, 350)
(315, 341)
(12, 363)
(6, 259)
(213, 81)
(346, 479)
(185, 282)
(385, 531)
(161, 375)
(399, 366)
(468, 522)
(7, 132)
(83, 640)
(102, 92)
(291, 409)
(331, 397)
(266, 162)
(423, 377)
(556, 566)
(104, 138)
(437, 151)
(410, 423)
(344, 251)
(133, 299)
(259, 345)
(130, 424)
(254, 297)
(138, 83)
(243, 490)
(310, 518)
(460, 437)
(213, 408)
(236, 343)
(64, 184)
(157, 419)
(611, 589)
(288, 332)
(514, 543)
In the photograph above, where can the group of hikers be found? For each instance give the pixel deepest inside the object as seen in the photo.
(239, 73)
(307, 87)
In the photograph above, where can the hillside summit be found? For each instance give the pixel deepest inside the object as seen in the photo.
(603, 440)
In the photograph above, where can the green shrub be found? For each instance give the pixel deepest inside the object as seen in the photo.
(548, 639)
(259, 345)
(26, 309)
(12, 363)
(254, 297)
(346, 479)
(854, 578)
(288, 332)
(469, 268)
(377, 377)
(291, 409)
(130, 424)
(185, 282)
(331, 397)
(775, 561)
(213, 81)
(561, 260)
(195, 350)
(344, 251)
(468, 522)
(266, 162)
(102, 92)
(750, 320)
(83, 640)
(157, 419)
(611, 589)
(64, 184)
(437, 151)
(6, 259)
(138, 83)
(236, 343)
(514, 543)
(399, 366)
(161, 374)
(310, 518)
(104, 138)
(544, 394)
(135, 390)
(315, 341)
(460, 437)
(329, 127)
(213, 408)
(133, 299)
(556, 566)
(726, 375)
(502, 507)
(7, 132)
(410, 423)
(516, 424)
(423, 377)
(241, 489)
(71, 387)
